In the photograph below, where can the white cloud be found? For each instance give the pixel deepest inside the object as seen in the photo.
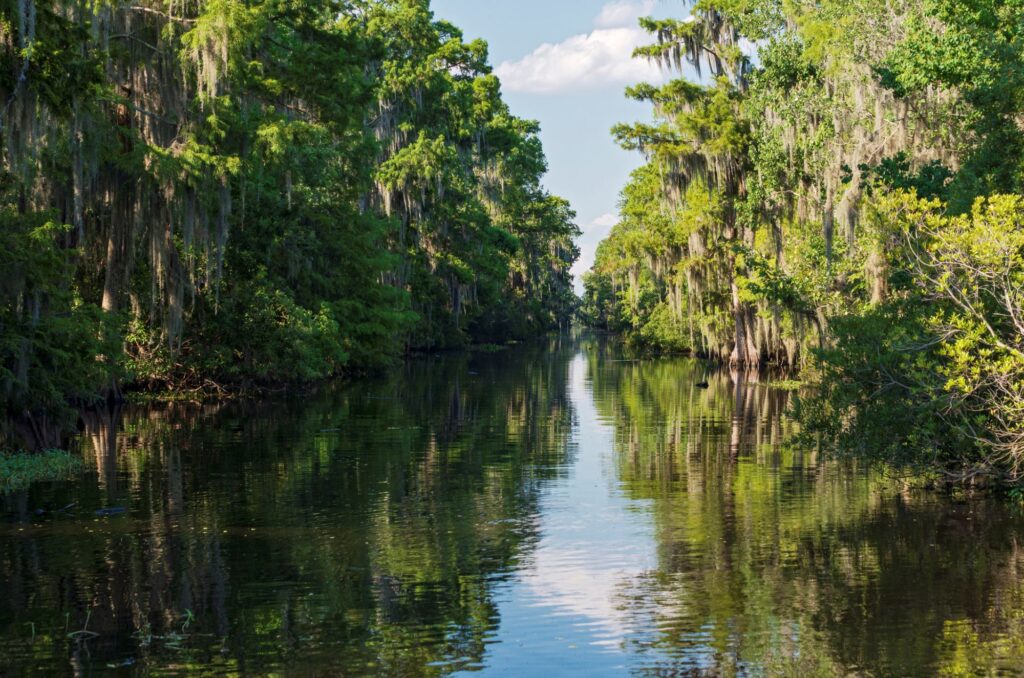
(623, 13)
(576, 583)
(602, 224)
(601, 58)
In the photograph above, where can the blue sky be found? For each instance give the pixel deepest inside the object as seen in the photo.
(566, 64)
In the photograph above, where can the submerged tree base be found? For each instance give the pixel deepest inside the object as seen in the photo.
(19, 470)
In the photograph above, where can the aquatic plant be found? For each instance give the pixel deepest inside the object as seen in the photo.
(19, 470)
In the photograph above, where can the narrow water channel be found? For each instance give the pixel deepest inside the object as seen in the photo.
(556, 509)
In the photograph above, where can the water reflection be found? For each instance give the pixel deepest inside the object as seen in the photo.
(560, 508)
(770, 561)
(358, 528)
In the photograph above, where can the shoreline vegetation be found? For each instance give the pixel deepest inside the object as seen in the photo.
(231, 194)
(225, 194)
(137, 397)
(839, 192)
(21, 468)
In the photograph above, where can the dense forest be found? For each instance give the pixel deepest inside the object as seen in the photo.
(838, 189)
(206, 194)
(795, 446)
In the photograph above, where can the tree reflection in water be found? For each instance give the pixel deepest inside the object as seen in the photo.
(377, 528)
(773, 560)
(360, 527)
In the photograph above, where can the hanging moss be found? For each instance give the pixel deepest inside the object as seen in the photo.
(784, 147)
(258, 192)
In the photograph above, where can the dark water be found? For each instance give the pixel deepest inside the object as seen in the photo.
(552, 510)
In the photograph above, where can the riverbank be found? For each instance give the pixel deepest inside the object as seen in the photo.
(30, 434)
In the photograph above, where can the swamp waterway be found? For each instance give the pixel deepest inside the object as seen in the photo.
(556, 509)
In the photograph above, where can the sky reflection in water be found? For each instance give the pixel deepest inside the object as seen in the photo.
(558, 509)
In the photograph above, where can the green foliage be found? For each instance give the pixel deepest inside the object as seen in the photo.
(662, 330)
(880, 396)
(929, 181)
(934, 376)
(18, 471)
(977, 51)
(847, 201)
(53, 346)
(258, 192)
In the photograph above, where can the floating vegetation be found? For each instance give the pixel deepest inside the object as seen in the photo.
(787, 384)
(19, 470)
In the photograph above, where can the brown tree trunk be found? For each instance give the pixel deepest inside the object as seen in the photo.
(744, 352)
(110, 275)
